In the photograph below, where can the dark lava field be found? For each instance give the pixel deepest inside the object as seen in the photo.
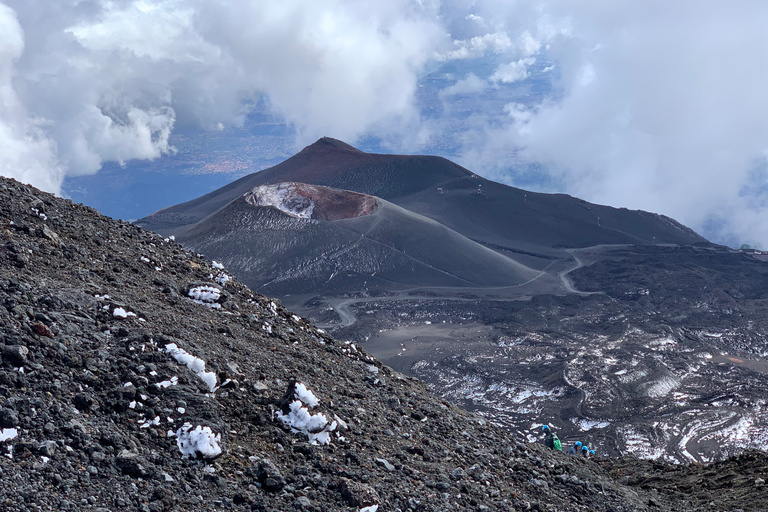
(664, 357)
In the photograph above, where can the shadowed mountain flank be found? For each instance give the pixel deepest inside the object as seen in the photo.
(295, 238)
(502, 217)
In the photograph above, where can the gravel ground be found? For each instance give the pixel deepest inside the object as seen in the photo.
(137, 376)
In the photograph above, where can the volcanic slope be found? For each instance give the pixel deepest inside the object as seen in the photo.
(135, 375)
(120, 354)
(294, 238)
(507, 219)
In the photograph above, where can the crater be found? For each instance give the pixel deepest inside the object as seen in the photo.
(305, 201)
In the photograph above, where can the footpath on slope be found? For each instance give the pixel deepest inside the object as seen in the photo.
(135, 375)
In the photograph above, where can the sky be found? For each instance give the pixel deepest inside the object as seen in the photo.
(660, 106)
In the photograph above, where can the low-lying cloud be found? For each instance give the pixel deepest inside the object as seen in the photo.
(656, 105)
(88, 82)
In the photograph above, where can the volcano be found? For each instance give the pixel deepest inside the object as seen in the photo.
(534, 226)
(292, 238)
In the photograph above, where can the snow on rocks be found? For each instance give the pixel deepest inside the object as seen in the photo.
(197, 442)
(145, 423)
(294, 413)
(122, 313)
(205, 294)
(306, 396)
(284, 197)
(195, 364)
(7, 434)
(168, 383)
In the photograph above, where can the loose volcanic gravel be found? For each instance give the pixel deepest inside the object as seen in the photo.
(135, 375)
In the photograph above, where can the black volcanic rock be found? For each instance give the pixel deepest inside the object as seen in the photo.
(504, 218)
(92, 416)
(665, 357)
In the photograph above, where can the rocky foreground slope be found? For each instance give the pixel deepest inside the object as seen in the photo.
(138, 376)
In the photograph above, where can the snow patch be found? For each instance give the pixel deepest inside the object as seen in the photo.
(122, 313)
(150, 423)
(585, 424)
(205, 295)
(640, 444)
(198, 442)
(299, 419)
(8, 433)
(168, 383)
(662, 386)
(195, 364)
(284, 197)
(305, 395)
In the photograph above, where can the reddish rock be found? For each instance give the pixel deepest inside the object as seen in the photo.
(43, 330)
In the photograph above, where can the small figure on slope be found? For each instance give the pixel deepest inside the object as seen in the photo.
(550, 439)
(573, 450)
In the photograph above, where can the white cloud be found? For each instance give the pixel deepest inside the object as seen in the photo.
(519, 114)
(27, 155)
(657, 105)
(527, 44)
(469, 85)
(660, 106)
(478, 46)
(108, 81)
(513, 71)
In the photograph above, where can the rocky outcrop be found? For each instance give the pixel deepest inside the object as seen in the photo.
(127, 383)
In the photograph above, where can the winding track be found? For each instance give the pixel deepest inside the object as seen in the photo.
(348, 318)
(567, 280)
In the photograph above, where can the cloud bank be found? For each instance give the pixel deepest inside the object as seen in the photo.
(658, 106)
(88, 82)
